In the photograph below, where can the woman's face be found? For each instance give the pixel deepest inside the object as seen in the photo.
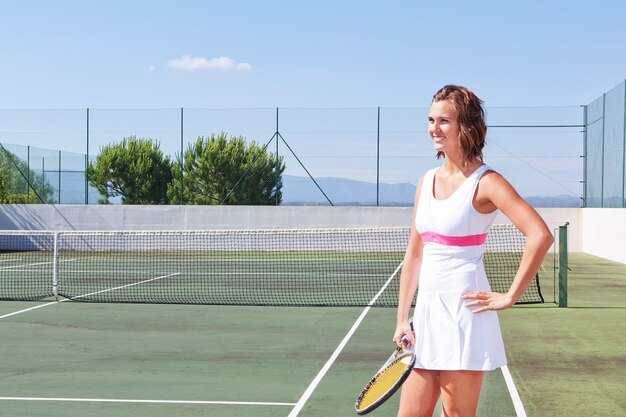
(443, 127)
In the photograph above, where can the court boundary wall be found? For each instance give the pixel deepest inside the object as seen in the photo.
(603, 230)
(66, 217)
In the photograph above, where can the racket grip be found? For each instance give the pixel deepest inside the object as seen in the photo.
(404, 341)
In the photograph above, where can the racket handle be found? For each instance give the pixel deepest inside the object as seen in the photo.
(404, 341)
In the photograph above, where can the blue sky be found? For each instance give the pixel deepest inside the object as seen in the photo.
(127, 60)
(324, 53)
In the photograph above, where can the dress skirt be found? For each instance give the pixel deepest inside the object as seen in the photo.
(449, 336)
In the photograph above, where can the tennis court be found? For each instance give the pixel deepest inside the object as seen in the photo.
(102, 359)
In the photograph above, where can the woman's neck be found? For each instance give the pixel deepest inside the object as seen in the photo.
(452, 166)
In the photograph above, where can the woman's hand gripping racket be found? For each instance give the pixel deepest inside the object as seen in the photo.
(387, 380)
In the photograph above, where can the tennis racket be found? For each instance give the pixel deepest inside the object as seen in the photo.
(387, 380)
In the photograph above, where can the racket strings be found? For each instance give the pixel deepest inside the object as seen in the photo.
(380, 385)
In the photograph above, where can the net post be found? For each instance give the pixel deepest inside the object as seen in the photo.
(55, 267)
(563, 265)
(87, 162)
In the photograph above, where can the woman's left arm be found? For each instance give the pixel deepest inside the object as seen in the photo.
(495, 192)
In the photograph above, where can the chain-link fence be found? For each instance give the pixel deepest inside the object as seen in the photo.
(605, 152)
(339, 156)
(45, 175)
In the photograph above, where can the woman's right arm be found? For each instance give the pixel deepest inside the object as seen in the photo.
(409, 277)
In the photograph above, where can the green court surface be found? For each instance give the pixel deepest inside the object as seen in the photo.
(83, 359)
(570, 361)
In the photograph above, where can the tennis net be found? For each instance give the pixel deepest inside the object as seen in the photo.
(282, 267)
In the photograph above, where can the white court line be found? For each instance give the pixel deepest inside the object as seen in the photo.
(10, 260)
(309, 391)
(124, 286)
(4, 268)
(517, 401)
(87, 295)
(29, 309)
(250, 273)
(110, 400)
(25, 265)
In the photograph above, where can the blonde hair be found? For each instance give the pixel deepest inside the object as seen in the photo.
(471, 117)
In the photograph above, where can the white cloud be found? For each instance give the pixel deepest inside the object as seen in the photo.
(190, 63)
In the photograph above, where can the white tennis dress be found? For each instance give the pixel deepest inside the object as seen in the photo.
(448, 335)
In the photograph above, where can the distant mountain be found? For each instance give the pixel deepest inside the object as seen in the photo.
(342, 191)
(556, 201)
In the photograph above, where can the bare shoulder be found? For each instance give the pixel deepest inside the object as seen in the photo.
(495, 192)
(494, 181)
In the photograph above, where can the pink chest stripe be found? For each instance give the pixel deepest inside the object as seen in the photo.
(471, 240)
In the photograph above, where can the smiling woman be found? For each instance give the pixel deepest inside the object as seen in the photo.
(470, 128)
(456, 333)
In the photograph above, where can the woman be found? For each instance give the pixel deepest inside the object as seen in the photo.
(456, 333)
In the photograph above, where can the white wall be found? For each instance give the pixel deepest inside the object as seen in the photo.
(120, 217)
(603, 233)
(555, 217)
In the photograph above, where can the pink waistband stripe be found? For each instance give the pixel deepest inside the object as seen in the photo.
(471, 240)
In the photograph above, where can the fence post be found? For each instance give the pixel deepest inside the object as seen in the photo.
(277, 159)
(182, 165)
(563, 265)
(378, 157)
(87, 163)
(584, 157)
(624, 153)
(59, 177)
(602, 153)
